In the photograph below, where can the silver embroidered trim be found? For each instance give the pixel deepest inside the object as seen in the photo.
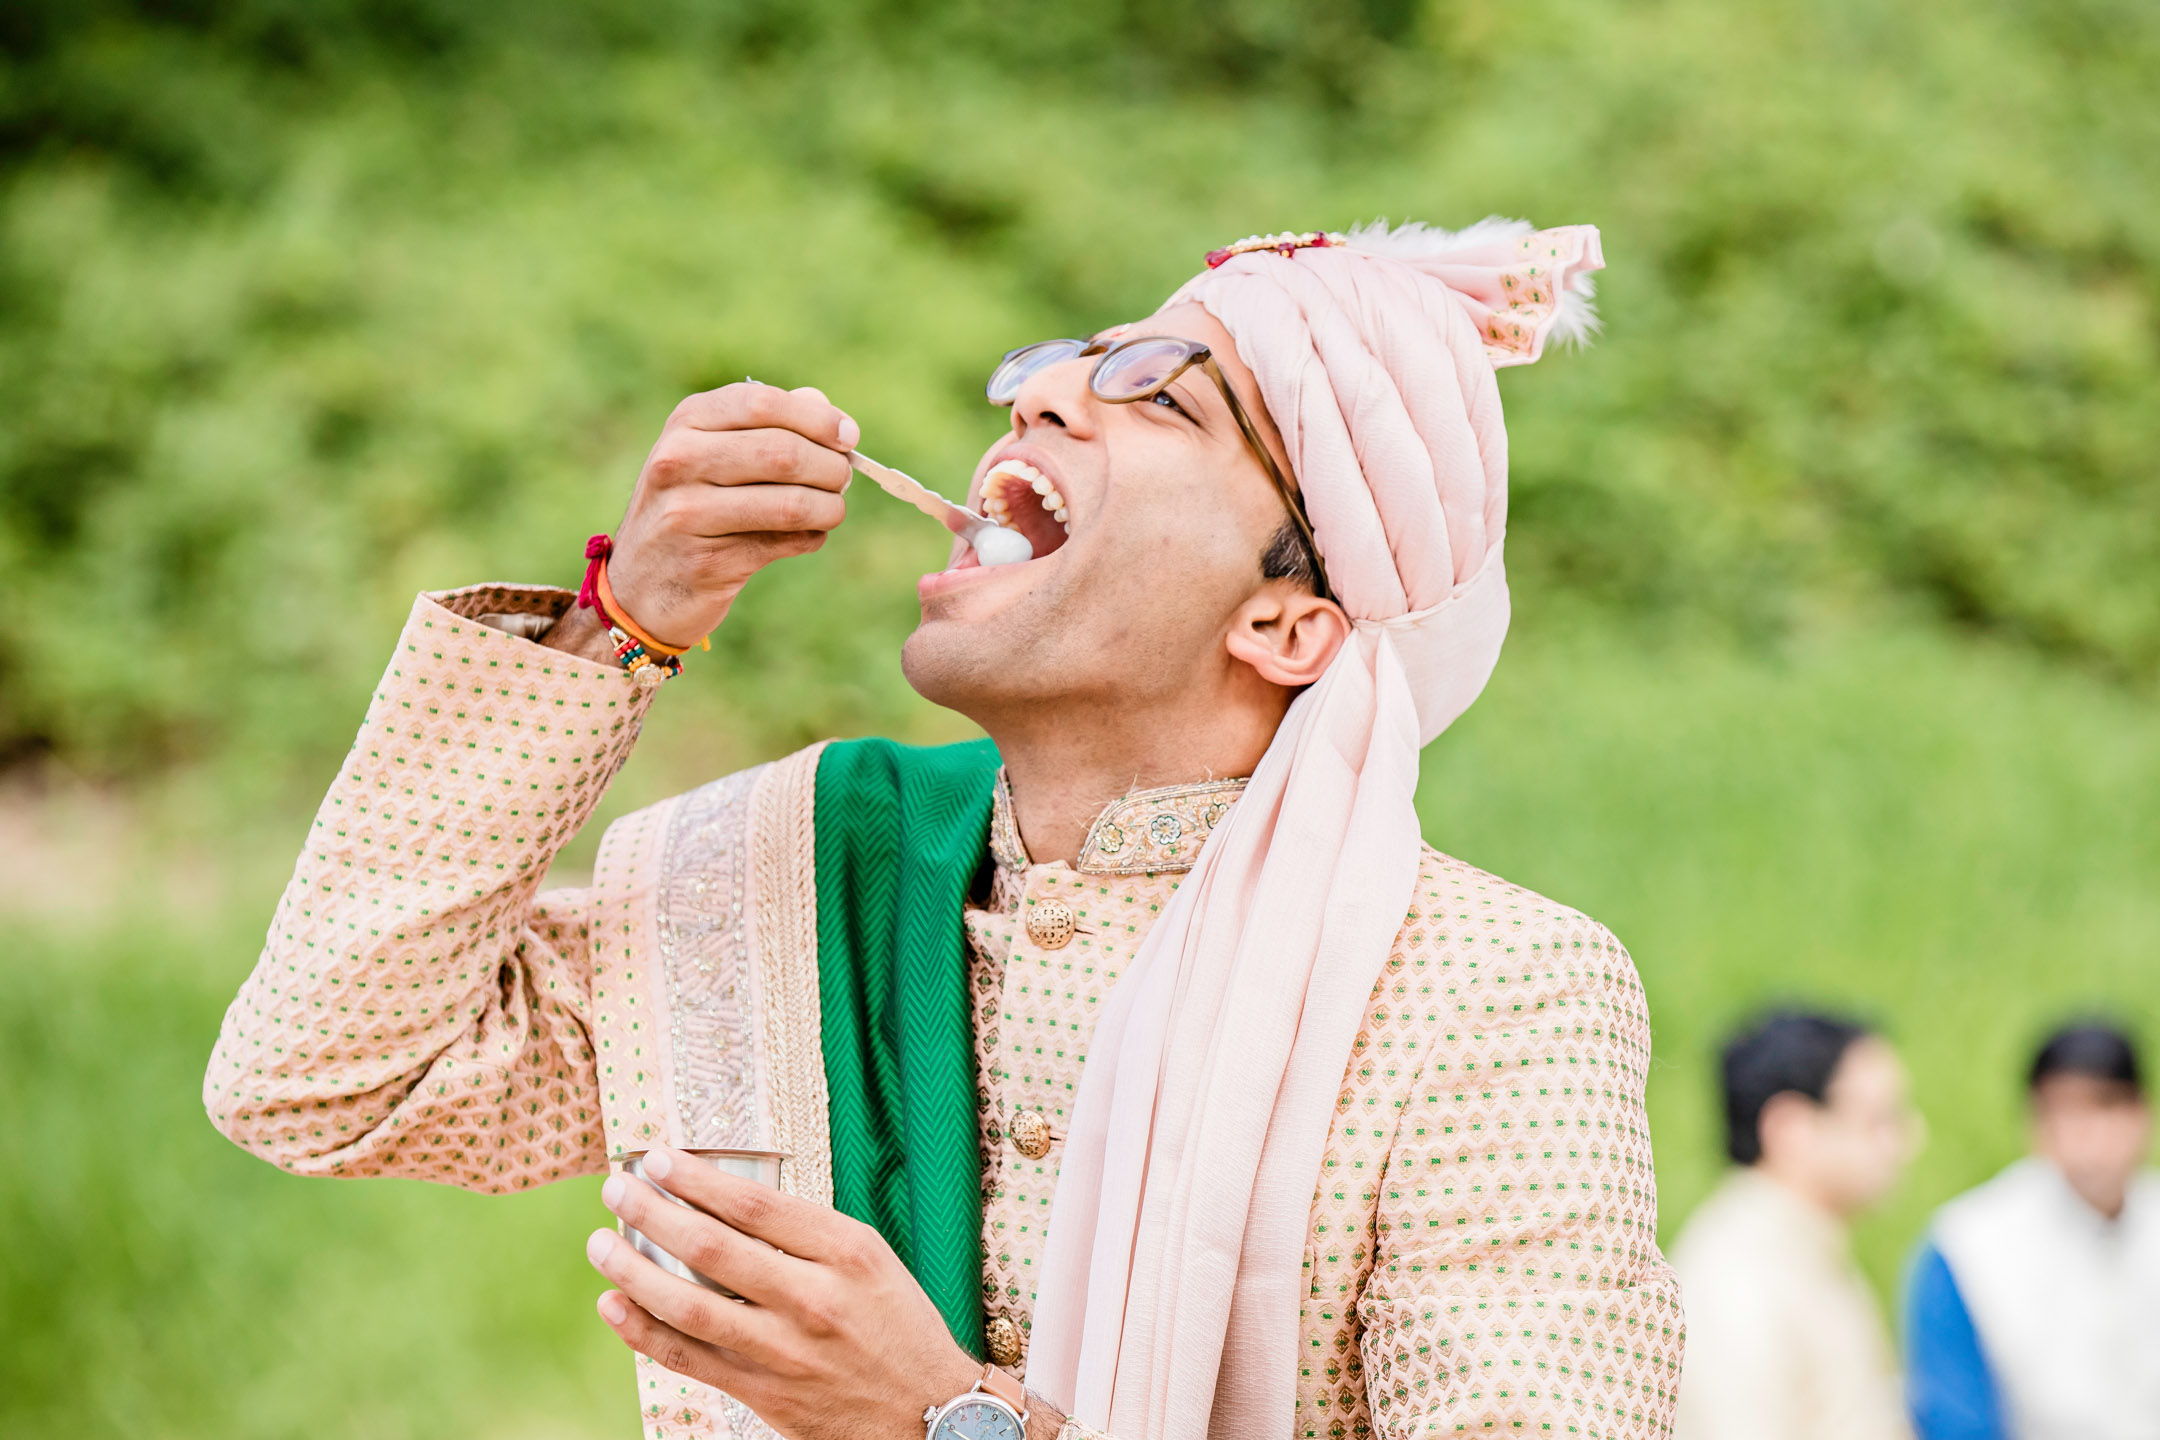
(1006, 846)
(703, 865)
(791, 1056)
(742, 1421)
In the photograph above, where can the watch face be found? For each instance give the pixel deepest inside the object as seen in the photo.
(977, 1419)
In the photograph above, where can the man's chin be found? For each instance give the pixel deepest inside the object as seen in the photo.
(969, 666)
(936, 659)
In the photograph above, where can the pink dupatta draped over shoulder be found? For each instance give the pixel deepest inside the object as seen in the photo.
(1169, 1301)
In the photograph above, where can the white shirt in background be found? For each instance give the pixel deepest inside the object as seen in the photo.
(2065, 1301)
(1785, 1340)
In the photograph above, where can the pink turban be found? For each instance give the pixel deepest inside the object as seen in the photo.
(1168, 1306)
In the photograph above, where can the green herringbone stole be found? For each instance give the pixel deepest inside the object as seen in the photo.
(900, 836)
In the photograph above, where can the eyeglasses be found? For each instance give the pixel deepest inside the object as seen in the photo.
(1140, 369)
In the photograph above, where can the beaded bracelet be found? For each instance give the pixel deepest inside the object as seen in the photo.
(647, 669)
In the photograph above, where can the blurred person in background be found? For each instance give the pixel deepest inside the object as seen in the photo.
(1785, 1341)
(1090, 1046)
(2033, 1307)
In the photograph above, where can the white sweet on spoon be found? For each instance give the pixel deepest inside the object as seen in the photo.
(996, 545)
(992, 543)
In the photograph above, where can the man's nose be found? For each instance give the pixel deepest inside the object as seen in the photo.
(1058, 395)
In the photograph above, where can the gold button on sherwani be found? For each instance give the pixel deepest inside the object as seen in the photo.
(1050, 924)
(1003, 1339)
(1031, 1134)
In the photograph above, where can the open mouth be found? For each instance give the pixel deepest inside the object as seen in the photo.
(1019, 497)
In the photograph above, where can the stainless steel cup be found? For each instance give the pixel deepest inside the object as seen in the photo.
(762, 1166)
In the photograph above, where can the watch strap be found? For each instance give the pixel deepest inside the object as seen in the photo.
(1000, 1385)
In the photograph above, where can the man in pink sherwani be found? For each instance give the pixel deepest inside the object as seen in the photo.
(1143, 1051)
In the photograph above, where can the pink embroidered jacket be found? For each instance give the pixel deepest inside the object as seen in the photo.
(1482, 1252)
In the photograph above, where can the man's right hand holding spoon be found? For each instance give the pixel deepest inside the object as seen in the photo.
(740, 477)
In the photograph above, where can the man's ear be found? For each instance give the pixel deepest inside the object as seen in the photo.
(1289, 636)
(1785, 1127)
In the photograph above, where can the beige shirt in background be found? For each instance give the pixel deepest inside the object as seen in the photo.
(1785, 1340)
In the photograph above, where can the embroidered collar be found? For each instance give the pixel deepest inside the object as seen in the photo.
(1158, 831)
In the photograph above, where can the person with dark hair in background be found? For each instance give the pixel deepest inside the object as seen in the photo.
(1784, 1339)
(2033, 1308)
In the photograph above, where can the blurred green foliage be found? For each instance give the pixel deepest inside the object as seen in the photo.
(306, 306)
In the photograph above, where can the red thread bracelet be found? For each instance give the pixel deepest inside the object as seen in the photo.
(597, 595)
(597, 550)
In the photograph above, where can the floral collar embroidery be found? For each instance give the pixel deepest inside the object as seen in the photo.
(1158, 831)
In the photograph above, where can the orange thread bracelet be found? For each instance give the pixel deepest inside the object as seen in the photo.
(613, 610)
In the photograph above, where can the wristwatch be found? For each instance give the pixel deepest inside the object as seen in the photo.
(994, 1408)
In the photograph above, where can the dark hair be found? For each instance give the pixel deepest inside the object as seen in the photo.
(1790, 1050)
(1285, 558)
(2098, 1050)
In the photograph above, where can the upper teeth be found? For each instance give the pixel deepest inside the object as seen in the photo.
(1007, 478)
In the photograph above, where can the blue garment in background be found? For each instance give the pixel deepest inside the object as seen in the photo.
(1948, 1386)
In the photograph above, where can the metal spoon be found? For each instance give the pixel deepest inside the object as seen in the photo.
(993, 543)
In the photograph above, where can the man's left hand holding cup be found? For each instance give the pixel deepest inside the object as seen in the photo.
(833, 1338)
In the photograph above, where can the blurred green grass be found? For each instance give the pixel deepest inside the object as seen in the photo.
(158, 1282)
(1837, 560)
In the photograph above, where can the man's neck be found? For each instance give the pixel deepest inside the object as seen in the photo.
(1064, 774)
(1802, 1186)
(2105, 1201)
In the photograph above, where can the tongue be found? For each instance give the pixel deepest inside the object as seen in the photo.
(1041, 529)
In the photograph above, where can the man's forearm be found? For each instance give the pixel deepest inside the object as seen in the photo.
(580, 633)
